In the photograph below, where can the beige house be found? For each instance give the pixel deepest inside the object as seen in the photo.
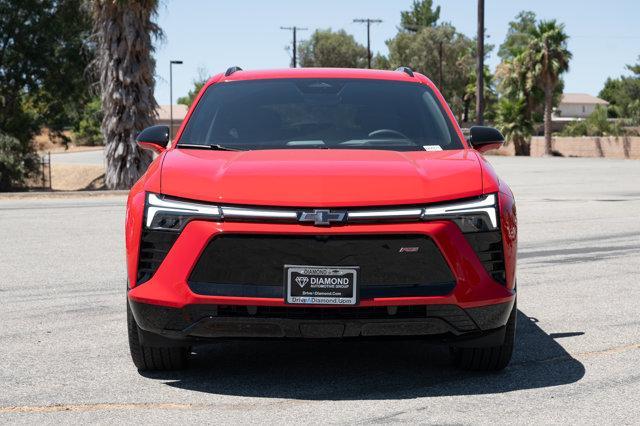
(164, 114)
(577, 105)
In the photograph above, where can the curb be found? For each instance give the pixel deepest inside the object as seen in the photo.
(61, 194)
(73, 151)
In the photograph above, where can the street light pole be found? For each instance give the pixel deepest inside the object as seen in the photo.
(480, 66)
(171, 64)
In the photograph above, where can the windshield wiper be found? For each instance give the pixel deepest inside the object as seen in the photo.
(213, 146)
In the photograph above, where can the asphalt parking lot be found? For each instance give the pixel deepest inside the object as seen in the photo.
(64, 355)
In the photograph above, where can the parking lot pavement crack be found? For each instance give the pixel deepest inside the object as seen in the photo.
(581, 355)
(95, 407)
(609, 351)
(125, 406)
(579, 250)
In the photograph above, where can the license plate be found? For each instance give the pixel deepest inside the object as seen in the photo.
(321, 285)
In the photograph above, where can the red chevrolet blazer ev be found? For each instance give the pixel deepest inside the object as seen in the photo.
(321, 203)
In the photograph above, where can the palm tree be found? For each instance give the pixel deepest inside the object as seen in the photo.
(470, 93)
(513, 121)
(123, 34)
(547, 58)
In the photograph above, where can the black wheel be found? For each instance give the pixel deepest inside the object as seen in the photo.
(148, 358)
(488, 359)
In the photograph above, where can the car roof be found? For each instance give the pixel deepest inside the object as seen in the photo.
(242, 75)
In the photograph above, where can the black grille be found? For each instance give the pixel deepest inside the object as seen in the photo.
(154, 246)
(488, 247)
(253, 265)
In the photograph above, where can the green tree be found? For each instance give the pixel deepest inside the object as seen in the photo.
(422, 14)
(380, 62)
(443, 54)
(65, 90)
(514, 122)
(635, 69)
(198, 84)
(490, 97)
(512, 74)
(547, 58)
(87, 128)
(623, 94)
(326, 48)
(634, 112)
(43, 56)
(518, 35)
(124, 31)
(191, 96)
(514, 83)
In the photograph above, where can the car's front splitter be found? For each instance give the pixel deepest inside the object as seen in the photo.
(446, 323)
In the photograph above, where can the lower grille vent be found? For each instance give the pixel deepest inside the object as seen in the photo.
(488, 247)
(154, 246)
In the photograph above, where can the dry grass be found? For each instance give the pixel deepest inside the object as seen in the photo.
(72, 177)
(43, 143)
(498, 152)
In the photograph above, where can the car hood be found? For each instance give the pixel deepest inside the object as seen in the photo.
(320, 178)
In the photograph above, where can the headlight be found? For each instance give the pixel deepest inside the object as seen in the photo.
(172, 215)
(471, 216)
(168, 214)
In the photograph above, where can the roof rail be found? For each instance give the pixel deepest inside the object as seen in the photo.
(231, 70)
(405, 70)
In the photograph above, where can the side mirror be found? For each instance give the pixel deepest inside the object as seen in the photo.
(485, 138)
(155, 138)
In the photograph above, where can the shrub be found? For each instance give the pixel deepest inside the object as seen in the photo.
(87, 129)
(17, 163)
(597, 124)
(512, 121)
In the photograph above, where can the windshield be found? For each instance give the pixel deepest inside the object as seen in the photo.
(320, 114)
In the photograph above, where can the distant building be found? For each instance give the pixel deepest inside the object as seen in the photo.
(577, 105)
(179, 113)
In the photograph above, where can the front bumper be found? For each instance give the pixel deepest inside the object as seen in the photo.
(162, 326)
(474, 312)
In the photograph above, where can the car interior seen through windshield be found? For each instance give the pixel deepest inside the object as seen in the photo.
(320, 114)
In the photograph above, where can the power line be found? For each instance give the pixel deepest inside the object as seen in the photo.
(368, 21)
(294, 30)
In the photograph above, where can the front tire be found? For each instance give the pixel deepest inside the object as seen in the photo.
(151, 358)
(488, 359)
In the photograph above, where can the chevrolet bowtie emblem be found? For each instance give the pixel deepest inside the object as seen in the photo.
(322, 217)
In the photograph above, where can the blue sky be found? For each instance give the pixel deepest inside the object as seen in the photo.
(213, 35)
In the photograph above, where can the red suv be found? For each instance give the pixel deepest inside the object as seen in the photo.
(321, 203)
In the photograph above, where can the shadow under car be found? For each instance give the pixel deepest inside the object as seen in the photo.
(358, 370)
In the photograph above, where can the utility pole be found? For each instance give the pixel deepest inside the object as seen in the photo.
(480, 66)
(295, 30)
(171, 64)
(368, 21)
(440, 56)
